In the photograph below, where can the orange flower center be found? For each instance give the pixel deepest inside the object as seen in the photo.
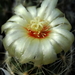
(38, 28)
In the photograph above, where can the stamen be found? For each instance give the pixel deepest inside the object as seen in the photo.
(38, 28)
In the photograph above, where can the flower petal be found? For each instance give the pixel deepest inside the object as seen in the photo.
(32, 11)
(32, 53)
(18, 20)
(54, 14)
(15, 29)
(63, 26)
(51, 6)
(59, 21)
(9, 26)
(49, 54)
(14, 21)
(11, 37)
(64, 43)
(20, 46)
(55, 45)
(22, 12)
(40, 60)
(66, 34)
(43, 8)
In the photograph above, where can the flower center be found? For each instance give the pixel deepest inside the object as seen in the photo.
(38, 28)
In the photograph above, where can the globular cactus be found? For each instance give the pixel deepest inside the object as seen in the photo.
(38, 40)
(59, 67)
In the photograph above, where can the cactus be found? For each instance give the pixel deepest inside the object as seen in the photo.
(59, 67)
(38, 64)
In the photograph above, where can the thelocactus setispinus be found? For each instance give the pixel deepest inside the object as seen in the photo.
(37, 34)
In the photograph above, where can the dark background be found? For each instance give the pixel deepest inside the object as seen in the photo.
(6, 11)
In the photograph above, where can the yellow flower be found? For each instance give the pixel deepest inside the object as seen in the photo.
(37, 34)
